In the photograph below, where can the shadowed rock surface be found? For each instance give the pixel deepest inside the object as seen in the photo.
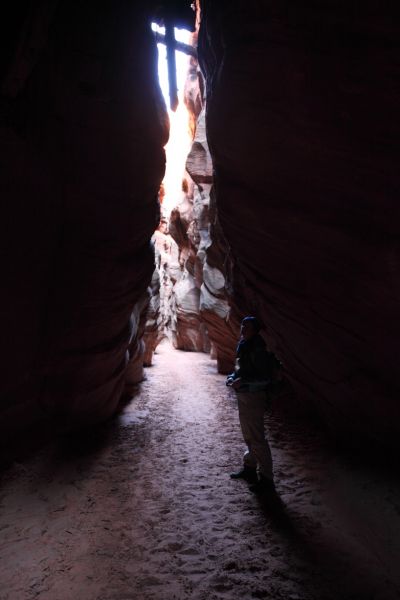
(302, 123)
(83, 126)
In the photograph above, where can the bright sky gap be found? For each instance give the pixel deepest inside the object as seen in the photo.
(179, 143)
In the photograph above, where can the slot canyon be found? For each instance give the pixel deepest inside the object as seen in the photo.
(122, 300)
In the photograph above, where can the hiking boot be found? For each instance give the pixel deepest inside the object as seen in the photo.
(263, 486)
(246, 473)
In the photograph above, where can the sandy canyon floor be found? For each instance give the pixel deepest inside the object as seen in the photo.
(144, 509)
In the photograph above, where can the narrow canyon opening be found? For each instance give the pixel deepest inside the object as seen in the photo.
(175, 302)
(189, 303)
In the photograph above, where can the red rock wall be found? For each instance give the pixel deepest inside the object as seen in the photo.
(83, 126)
(216, 307)
(303, 127)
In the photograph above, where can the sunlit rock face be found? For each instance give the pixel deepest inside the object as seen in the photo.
(186, 328)
(217, 308)
(302, 123)
(83, 126)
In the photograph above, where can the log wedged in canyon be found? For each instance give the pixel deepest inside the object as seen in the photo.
(83, 125)
(302, 120)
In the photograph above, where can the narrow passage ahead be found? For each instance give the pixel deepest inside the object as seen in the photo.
(144, 508)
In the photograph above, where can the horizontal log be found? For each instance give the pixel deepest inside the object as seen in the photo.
(180, 46)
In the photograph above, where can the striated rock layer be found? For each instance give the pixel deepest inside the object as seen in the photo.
(302, 122)
(83, 126)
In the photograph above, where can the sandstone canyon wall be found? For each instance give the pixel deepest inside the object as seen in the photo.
(83, 126)
(217, 306)
(302, 123)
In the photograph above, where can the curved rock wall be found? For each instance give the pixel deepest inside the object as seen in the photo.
(207, 246)
(188, 330)
(302, 122)
(83, 126)
(153, 333)
(217, 308)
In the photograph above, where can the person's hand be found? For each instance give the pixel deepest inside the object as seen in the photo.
(230, 379)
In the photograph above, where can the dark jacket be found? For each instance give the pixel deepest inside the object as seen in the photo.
(256, 367)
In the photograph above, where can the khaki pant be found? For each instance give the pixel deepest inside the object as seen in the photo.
(251, 416)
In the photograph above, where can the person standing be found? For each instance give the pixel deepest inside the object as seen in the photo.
(255, 372)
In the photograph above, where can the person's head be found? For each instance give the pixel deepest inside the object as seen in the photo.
(250, 326)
